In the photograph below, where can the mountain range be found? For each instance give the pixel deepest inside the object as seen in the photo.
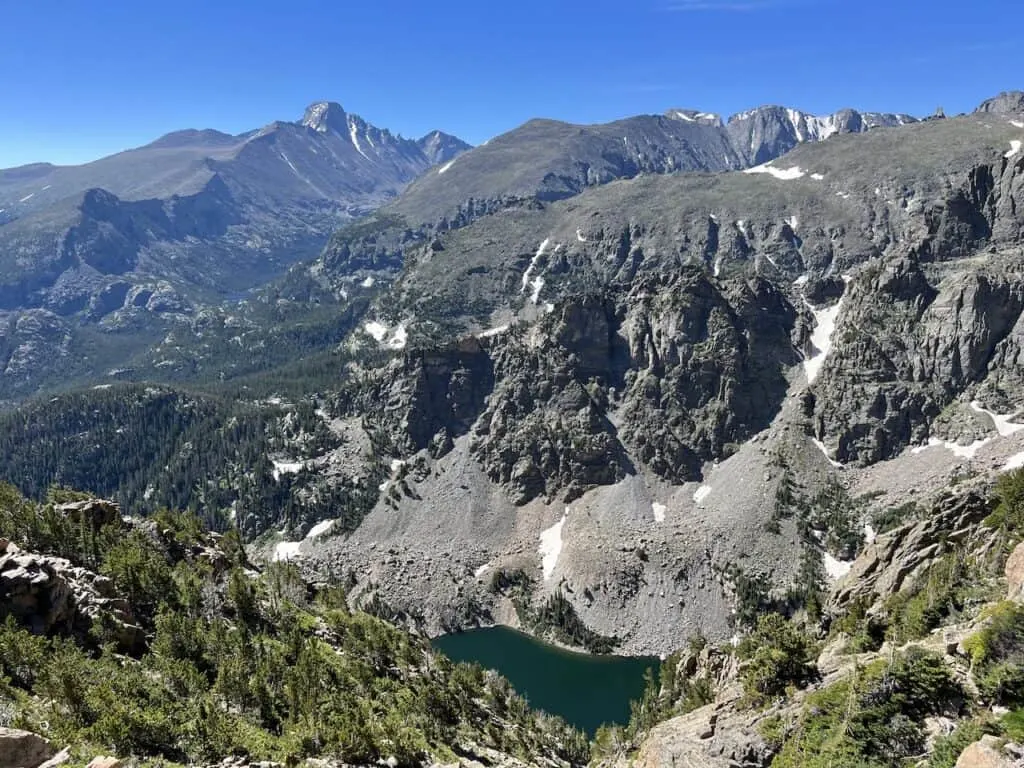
(619, 386)
(563, 315)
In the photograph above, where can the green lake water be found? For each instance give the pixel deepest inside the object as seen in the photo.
(584, 690)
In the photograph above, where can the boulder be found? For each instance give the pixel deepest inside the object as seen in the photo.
(23, 749)
(1015, 574)
(96, 512)
(49, 594)
(986, 753)
(104, 762)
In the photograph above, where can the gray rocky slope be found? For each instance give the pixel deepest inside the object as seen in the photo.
(649, 369)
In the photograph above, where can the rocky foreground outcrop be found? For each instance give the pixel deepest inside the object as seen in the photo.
(991, 752)
(23, 749)
(50, 594)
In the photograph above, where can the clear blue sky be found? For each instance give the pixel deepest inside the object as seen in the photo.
(80, 79)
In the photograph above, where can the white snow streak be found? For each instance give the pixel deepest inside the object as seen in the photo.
(963, 451)
(496, 330)
(787, 174)
(580, 237)
(551, 546)
(482, 570)
(320, 528)
(817, 176)
(1014, 149)
(1004, 426)
(368, 282)
(354, 135)
(537, 282)
(701, 493)
(793, 222)
(821, 447)
(1017, 124)
(659, 512)
(444, 168)
(27, 197)
(821, 336)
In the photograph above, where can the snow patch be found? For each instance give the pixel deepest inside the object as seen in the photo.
(821, 447)
(353, 133)
(375, 329)
(963, 451)
(1014, 462)
(286, 550)
(368, 282)
(1014, 148)
(320, 528)
(27, 197)
(783, 174)
(836, 569)
(551, 546)
(821, 336)
(537, 282)
(498, 329)
(701, 493)
(1017, 124)
(482, 570)
(684, 116)
(659, 512)
(398, 338)
(580, 237)
(1004, 426)
(793, 222)
(286, 468)
(818, 176)
(444, 168)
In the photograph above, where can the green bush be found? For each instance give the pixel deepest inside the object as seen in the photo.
(777, 656)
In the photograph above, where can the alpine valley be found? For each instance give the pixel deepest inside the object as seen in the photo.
(741, 393)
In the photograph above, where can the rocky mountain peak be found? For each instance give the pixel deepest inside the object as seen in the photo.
(440, 147)
(1006, 103)
(324, 116)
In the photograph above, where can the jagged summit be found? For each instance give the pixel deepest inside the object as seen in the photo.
(323, 116)
(440, 147)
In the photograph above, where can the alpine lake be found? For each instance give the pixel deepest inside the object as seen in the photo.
(585, 690)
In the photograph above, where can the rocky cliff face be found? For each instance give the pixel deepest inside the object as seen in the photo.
(661, 359)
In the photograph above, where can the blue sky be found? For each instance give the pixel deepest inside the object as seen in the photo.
(80, 79)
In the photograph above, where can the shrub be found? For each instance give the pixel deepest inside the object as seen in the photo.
(778, 655)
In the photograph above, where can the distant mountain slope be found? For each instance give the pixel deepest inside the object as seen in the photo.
(551, 160)
(139, 240)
